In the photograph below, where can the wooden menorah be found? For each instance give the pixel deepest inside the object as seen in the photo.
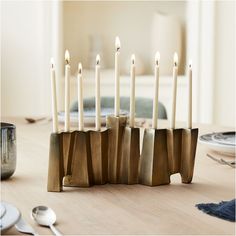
(112, 155)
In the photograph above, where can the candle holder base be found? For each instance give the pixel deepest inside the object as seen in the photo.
(99, 154)
(154, 169)
(174, 146)
(81, 163)
(130, 156)
(189, 145)
(85, 158)
(116, 127)
(55, 167)
(67, 150)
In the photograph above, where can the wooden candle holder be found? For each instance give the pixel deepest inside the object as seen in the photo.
(116, 126)
(189, 146)
(80, 162)
(69, 157)
(154, 169)
(130, 156)
(174, 146)
(99, 154)
(167, 152)
(84, 158)
(55, 168)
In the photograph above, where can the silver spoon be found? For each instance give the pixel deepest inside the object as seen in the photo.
(45, 216)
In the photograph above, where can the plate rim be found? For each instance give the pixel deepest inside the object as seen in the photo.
(221, 142)
(6, 205)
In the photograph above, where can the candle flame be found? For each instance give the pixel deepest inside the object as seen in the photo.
(67, 57)
(98, 59)
(157, 58)
(190, 64)
(133, 59)
(117, 44)
(175, 59)
(80, 68)
(52, 62)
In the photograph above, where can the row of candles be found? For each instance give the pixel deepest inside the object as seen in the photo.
(117, 92)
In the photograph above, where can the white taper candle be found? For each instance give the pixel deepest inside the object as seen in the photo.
(67, 92)
(156, 92)
(117, 78)
(80, 98)
(189, 124)
(132, 91)
(174, 92)
(97, 95)
(54, 98)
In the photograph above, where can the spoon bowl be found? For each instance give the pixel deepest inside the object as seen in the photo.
(45, 216)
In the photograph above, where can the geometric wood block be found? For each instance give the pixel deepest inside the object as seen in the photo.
(81, 165)
(130, 156)
(99, 155)
(116, 127)
(67, 146)
(55, 167)
(154, 168)
(189, 145)
(174, 145)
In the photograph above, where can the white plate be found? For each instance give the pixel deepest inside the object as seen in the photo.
(2, 211)
(11, 216)
(222, 148)
(227, 138)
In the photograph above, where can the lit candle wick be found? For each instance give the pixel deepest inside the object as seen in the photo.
(67, 57)
(80, 68)
(175, 59)
(117, 44)
(52, 63)
(190, 64)
(98, 59)
(133, 59)
(157, 58)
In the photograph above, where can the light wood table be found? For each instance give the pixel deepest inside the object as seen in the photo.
(117, 209)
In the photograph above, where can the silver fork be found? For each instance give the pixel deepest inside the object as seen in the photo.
(23, 227)
(222, 161)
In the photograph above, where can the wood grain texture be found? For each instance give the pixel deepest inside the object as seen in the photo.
(130, 156)
(116, 127)
(55, 167)
(189, 145)
(154, 168)
(118, 209)
(99, 155)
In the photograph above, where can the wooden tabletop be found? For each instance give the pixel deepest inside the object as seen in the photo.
(117, 209)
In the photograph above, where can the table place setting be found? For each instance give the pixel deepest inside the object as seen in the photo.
(109, 149)
(10, 216)
(221, 147)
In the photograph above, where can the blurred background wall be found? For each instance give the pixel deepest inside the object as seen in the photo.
(32, 32)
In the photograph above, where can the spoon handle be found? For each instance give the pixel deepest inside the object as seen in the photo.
(55, 231)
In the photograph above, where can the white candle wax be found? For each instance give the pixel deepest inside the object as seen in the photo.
(189, 124)
(80, 98)
(117, 78)
(174, 92)
(132, 91)
(67, 92)
(54, 98)
(97, 96)
(156, 92)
